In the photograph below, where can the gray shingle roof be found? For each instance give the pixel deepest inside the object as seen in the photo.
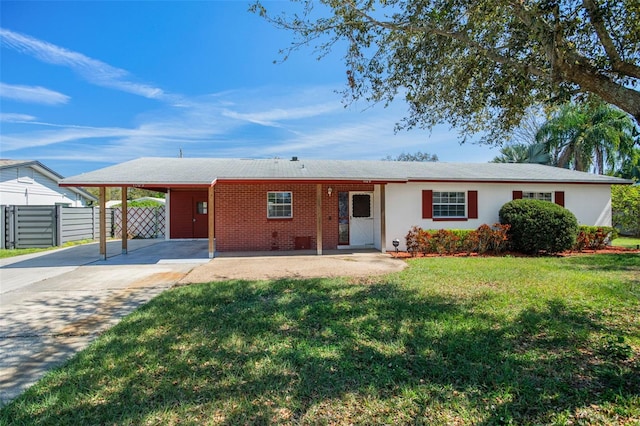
(51, 174)
(204, 171)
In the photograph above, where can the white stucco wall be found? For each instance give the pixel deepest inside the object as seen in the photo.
(591, 204)
(28, 187)
(377, 217)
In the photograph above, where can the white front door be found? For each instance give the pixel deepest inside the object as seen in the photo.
(361, 219)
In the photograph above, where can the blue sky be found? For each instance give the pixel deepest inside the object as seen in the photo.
(87, 84)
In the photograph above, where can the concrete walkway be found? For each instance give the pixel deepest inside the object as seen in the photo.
(53, 304)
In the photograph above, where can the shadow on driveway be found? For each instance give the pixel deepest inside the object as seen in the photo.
(53, 304)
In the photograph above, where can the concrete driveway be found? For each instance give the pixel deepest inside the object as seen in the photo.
(53, 304)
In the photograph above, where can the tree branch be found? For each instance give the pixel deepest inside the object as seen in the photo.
(578, 70)
(489, 52)
(617, 64)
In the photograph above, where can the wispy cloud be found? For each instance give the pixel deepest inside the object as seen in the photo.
(207, 118)
(10, 117)
(92, 70)
(274, 117)
(41, 138)
(32, 94)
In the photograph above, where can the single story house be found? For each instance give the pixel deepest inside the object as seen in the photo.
(277, 204)
(31, 183)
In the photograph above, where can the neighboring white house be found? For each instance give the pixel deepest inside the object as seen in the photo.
(251, 205)
(31, 183)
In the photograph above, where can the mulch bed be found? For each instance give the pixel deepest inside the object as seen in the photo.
(606, 250)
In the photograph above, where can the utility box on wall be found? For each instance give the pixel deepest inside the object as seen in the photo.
(302, 243)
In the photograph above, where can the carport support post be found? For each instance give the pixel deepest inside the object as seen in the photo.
(125, 230)
(319, 219)
(211, 219)
(103, 222)
(383, 219)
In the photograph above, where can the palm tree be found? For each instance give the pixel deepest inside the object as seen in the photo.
(588, 135)
(523, 153)
(630, 167)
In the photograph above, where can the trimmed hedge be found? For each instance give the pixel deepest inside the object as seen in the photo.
(539, 226)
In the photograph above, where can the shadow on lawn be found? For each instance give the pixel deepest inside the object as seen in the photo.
(312, 351)
(607, 262)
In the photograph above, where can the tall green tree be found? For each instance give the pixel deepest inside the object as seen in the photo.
(478, 65)
(589, 136)
(630, 167)
(625, 208)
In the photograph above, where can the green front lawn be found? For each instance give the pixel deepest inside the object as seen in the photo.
(628, 242)
(4, 253)
(447, 341)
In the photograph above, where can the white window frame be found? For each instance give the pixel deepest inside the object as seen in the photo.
(533, 195)
(276, 201)
(437, 195)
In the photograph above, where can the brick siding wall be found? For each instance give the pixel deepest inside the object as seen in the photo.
(242, 224)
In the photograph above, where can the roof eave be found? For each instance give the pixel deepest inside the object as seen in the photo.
(524, 181)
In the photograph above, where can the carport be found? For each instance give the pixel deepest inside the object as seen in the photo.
(210, 215)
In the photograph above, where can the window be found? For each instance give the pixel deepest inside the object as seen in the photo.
(279, 205)
(201, 207)
(361, 205)
(343, 217)
(556, 196)
(449, 204)
(445, 206)
(544, 196)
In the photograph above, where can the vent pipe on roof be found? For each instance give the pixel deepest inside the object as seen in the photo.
(294, 158)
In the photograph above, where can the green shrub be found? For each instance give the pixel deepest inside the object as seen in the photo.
(412, 240)
(594, 237)
(452, 241)
(625, 208)
(424, 241)
(445, 241)
(539, 226)
(143, 203)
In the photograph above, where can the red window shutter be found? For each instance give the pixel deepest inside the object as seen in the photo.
(559, 198)
(517, 195)
(472, 200)
(427, 204)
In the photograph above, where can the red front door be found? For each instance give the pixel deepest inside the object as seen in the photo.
(189, 212)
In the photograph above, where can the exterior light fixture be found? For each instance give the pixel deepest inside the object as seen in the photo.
(396, 243)
(329, 191)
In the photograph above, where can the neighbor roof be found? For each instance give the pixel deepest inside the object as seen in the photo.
(165, 172)
(46, 171)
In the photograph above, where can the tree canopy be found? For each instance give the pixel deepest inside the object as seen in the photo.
(477, 65)
(416, 156)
